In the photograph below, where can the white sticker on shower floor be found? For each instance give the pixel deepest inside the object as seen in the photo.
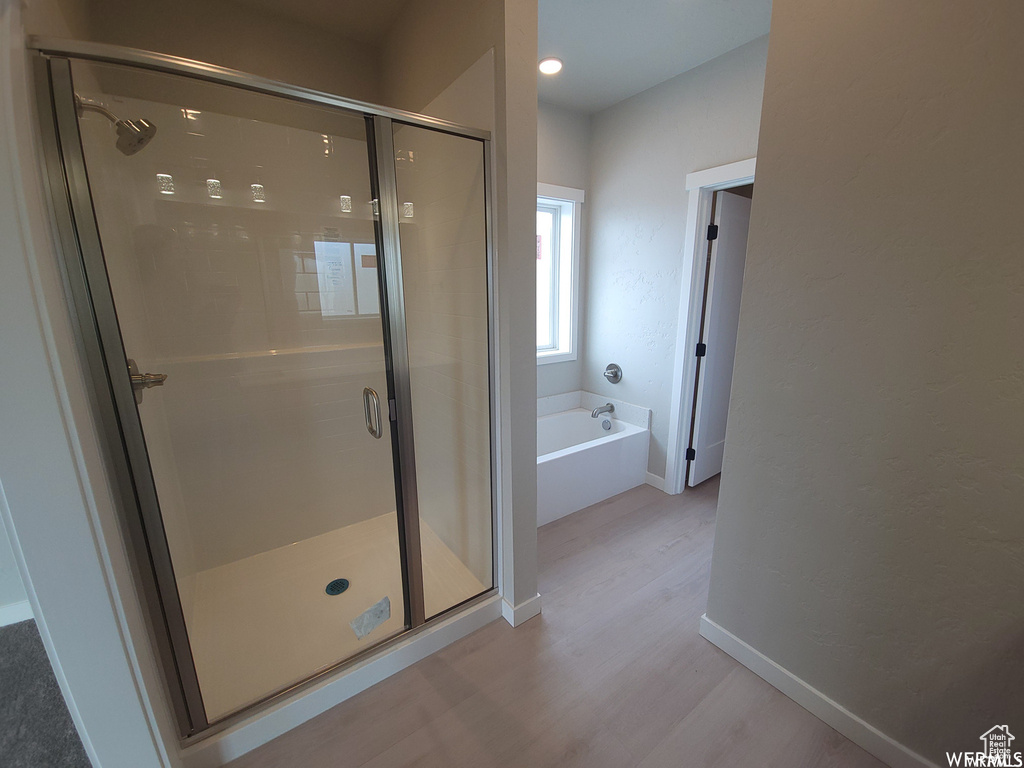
(371, 618)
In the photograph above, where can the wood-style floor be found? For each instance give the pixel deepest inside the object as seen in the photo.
(612, 674)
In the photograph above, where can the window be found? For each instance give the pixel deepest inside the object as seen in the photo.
(558, 246)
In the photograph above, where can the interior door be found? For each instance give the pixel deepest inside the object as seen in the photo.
(721, 320)
(236, 288)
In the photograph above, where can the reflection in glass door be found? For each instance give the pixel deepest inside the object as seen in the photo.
(239, 245)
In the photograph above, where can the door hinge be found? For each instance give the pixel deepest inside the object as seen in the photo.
(712, 231)
(690, 454)
(392, 410)
(702, 349)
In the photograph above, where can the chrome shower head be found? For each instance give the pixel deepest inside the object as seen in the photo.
(132, 135)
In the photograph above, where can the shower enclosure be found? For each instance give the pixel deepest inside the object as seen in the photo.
(282, 302)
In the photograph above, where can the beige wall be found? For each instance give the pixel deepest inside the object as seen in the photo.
(563, 146)
(563, 158)
(225, 33)
(469, 99)
(640, 153)
(57, 18)
(431, 44)
(870, 523)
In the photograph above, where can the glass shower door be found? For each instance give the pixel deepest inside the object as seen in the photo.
(239, 243)
(441, 197)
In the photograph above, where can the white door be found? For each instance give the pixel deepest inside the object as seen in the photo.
(721, 319)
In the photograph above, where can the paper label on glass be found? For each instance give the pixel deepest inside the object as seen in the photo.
(335, 278)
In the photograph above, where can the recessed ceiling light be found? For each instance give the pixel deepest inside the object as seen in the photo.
(551, 66)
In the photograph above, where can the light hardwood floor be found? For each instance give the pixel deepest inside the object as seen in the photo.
(612, 673)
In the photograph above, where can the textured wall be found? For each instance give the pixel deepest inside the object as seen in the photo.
(563, 147)
(870, 527)
(641, 151)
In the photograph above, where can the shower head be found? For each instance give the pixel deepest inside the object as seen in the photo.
(132, 135)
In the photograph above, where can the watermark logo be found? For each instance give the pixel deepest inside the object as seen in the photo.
(997, 751)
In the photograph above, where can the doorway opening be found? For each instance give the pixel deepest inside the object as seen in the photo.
(719, 321)
(715, 249)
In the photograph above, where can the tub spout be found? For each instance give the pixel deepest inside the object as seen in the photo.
(606, 408)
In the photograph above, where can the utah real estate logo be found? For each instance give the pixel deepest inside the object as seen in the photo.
(997, 751)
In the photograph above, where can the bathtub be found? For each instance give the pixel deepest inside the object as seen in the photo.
(579, 463)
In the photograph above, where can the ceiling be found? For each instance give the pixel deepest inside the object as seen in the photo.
(359, 20)
(614, 49)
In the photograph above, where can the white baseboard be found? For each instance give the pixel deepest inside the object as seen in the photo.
(656, 480)
(15, 612)
(526, 610)
(264, 726)
(864, 735)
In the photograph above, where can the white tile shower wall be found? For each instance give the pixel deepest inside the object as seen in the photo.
(445, 281)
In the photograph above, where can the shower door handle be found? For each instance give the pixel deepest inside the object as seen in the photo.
(372, 414)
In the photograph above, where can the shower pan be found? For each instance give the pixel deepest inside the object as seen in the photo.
(283, 306)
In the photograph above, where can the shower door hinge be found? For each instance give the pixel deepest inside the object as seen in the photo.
(392, 410)
(690, 454)
(702, 349)
(712, 231)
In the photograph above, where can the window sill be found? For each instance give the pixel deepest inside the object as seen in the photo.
(545, 358)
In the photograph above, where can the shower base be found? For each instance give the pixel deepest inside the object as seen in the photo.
(263, 623)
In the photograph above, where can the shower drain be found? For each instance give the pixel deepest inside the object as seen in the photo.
(337, 586)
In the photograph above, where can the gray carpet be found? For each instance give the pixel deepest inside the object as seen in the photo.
(35, 727)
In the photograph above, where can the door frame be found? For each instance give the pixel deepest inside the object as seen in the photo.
(100, 347)
(701, 187)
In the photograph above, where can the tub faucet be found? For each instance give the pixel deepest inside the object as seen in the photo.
(606, 408)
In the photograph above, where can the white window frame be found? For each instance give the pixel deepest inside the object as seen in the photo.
(569, 201)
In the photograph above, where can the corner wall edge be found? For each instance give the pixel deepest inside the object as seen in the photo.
(518, 614)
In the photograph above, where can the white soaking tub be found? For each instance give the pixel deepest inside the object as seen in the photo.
(579, 463)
